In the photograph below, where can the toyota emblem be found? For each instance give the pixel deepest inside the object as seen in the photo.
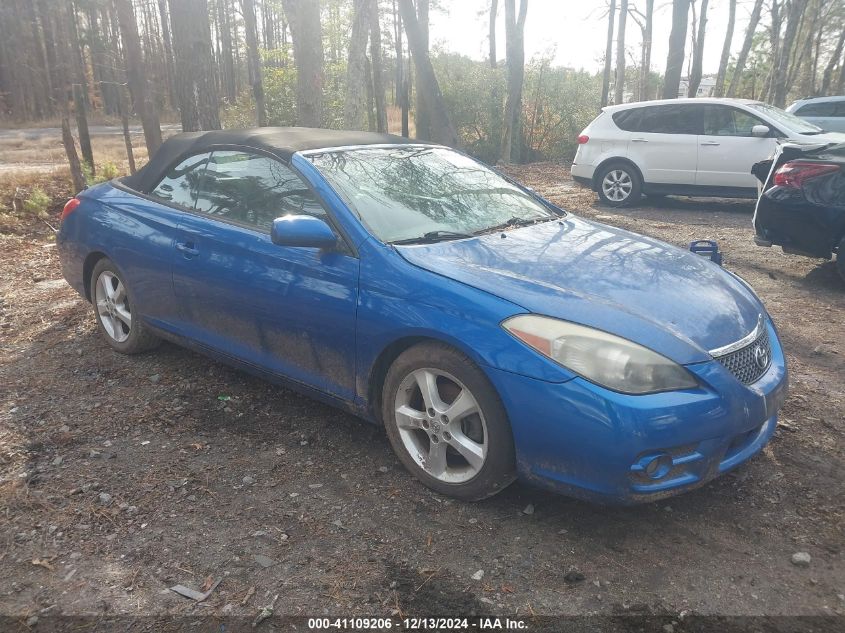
(761, 357)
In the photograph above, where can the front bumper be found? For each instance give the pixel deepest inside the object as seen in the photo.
(585, 441)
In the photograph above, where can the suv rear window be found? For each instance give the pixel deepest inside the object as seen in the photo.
(661, 119)
(824, 108)
(627, 120)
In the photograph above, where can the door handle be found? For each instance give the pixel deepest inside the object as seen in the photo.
(187, 248)
(639, 140)
(710, 143)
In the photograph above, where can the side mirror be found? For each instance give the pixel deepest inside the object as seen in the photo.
(760, 131)
(303, 231)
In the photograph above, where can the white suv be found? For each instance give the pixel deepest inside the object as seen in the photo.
(689, 147)
(826, 112)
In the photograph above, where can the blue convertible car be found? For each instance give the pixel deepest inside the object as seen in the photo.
(493, 334)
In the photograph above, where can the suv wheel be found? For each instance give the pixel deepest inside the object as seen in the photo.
(619, 185)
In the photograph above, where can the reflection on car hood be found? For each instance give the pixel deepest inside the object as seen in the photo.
(666, 298)
(817, 139)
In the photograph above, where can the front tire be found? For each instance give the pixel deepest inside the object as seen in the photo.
(619, 185)
(116, 313)
(447, 424)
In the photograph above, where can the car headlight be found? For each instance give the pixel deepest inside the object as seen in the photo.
(605, 359)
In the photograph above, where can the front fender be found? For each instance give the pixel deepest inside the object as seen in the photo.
(398, 300)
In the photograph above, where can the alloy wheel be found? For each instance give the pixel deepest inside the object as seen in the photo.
(441, 425)
(617, 185)
(113, 306)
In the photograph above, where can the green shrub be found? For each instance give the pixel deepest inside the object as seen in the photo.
(36, 203)
(107, 171)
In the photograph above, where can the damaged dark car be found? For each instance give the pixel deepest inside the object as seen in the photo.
(801, 207)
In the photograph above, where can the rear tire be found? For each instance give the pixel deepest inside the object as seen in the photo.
(619, 184)
(447, 424)
(116, 311)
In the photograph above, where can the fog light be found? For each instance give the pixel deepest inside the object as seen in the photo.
(658, 466)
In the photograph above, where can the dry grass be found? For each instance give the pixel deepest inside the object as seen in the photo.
(29, 151)
(32, 162)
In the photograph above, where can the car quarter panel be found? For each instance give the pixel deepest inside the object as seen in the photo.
(136, 233)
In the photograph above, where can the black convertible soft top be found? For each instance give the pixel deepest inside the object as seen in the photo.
(281, 141)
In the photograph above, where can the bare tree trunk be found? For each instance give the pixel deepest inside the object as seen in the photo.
(835, 57)
(808, 33)
(136, 75)
(61, 36)
(619, 84)
(608, 53)
(379, 99)
(227, 51)
(442, 130)
(494, 10)
(80, 105)
(515, 44)
(304, 19)
(422, 115)
(368, 88)
(354, 105)
(127, 139)
(677, 43)
(774, 38)
(42, 88)
(401, 97)
(255, 71)
(76, 174)
(719, 88)
(80, 110)
(495, 91)
(780, 83)
(746, 48)
(168, 51)
(645, 58)
(195, 82)
(698, 52)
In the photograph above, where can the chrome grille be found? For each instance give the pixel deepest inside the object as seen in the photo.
(749, 363)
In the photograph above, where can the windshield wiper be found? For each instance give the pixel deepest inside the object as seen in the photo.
(512, 222)
(434, 236)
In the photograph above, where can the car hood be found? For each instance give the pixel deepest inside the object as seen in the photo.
(817, 139)
(668, 299)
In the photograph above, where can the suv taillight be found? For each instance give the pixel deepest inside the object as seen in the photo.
(583, 139)
(796, 172)
(70, 206)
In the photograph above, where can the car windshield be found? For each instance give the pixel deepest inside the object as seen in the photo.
(418, 194)
(786, 119)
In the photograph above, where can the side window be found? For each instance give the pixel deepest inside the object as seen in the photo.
(253, 190)
(840, 109)
(181, 183)
(824, 108)
(671, 119)
(726, 121)
(628, 120)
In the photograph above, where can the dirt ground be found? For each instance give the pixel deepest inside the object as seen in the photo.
(123, 476)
